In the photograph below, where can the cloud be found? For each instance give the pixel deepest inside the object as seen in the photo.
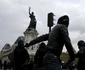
(14, 17)
(11, 21)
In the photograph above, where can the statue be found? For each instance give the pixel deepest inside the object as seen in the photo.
(33, 21)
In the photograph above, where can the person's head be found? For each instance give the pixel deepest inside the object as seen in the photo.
(32, 13)
(64, 20)
(81, 43)
(20, 43)
(42, 45)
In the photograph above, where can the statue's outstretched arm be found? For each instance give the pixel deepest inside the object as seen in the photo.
(29, 10)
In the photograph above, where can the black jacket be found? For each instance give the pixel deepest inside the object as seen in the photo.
(20, 56)
(81, 57)
(57, 38)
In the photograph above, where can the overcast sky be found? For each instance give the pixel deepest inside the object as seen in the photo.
(14, 18)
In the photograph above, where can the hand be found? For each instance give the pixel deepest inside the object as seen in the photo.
(27, 45)
(69, 61)
(67, 65)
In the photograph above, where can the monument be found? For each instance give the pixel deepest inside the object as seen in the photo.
(32, 20)
(31, 32)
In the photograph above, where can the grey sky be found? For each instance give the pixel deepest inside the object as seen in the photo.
(14, 17)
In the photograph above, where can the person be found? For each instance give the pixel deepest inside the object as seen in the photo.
(81, 55)
(33, 20)
(0, 64)
(9, 65)
(21, 56)
(38, 58)
(11, 58)
(57, 38)
(5, 65)
(30, 65)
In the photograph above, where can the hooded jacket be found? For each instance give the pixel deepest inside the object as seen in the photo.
(57, 38)
(81, 55)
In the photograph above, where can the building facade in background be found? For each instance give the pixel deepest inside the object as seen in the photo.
(29, 34)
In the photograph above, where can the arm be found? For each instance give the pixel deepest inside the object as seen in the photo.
(67, 42)
(38, 39)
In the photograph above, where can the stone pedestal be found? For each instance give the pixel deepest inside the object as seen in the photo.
(29, 35)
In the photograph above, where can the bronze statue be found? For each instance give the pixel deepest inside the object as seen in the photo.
(33, 21)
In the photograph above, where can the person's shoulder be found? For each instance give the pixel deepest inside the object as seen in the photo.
(60, 26)
(82, 48)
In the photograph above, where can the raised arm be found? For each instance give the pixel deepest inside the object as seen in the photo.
(29, 10)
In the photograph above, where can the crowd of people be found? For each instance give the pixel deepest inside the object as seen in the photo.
(47, 57)
(5, 65)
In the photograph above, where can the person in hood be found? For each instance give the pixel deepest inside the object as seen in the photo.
(40, 53)
(21, 56)
(81, 55)
(57, 38)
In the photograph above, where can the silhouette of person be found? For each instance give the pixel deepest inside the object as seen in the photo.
(11, 58)
(30, 65)
(57, 38)
(5, 65)
(38, 58)
(9, 65)
(33, 20)
(81, 55)
(0, 64)
(21, 56)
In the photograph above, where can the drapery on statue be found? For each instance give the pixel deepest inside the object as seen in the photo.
(33, 21)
